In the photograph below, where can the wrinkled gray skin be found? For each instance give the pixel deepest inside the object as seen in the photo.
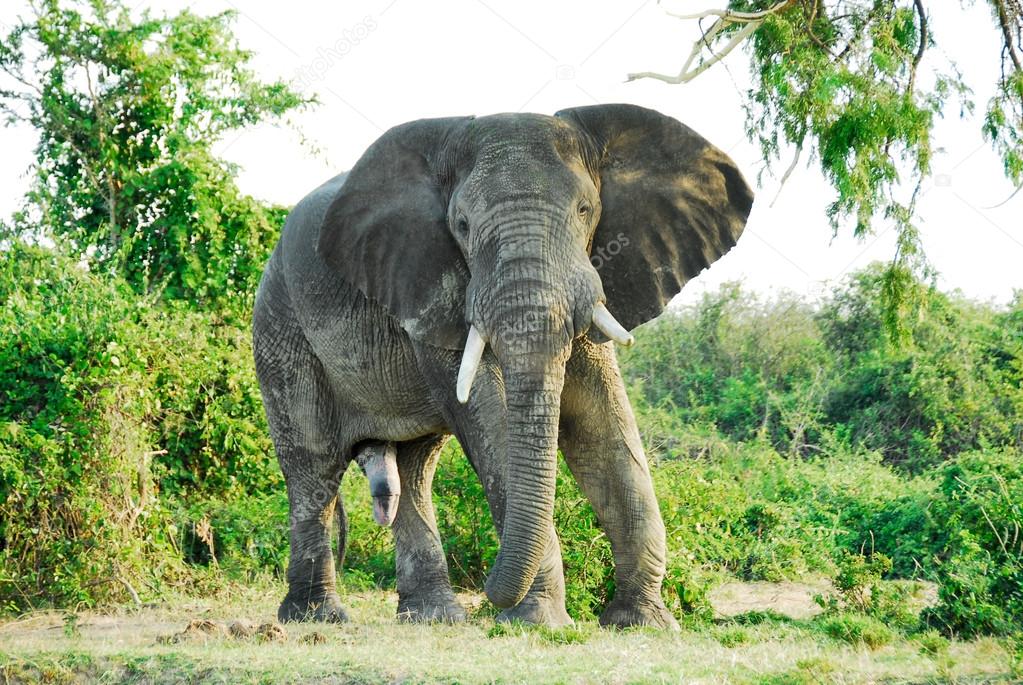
(517, 224)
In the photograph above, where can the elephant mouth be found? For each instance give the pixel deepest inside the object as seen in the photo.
(475, 344)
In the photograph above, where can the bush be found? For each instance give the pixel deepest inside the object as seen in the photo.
(954, 384)
(860, 590)
(108, 405)
(855, 629)
(980, 565)
(748, 367)
(802, 375)
(134, 454)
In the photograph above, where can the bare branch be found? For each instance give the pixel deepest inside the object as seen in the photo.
(923, 32)
(1014, 193)
(131, 591)
(788, 172)
(923, 44)
(731, 15)
(686, 74)
(752, 21)
(1003, 22)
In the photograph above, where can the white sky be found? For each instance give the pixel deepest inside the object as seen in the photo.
(377, 63)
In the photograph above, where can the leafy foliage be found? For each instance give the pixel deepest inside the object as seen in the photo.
(109, 406)
(127, 112)
(844, 82)
(786, 436)
(1003, 122)
(844, 76)
(807, 379)
(980, 569)
(857, 629)
(96, 383)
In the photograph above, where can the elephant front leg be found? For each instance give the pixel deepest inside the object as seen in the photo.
(482, 432)
(481, 428)
(312, 590)
(544, 604)
(601, 444)
(424, 590)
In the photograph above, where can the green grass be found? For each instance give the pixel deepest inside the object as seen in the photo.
(125, 646)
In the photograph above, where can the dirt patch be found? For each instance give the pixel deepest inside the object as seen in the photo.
(202, 630)
(272, 632)
(199, 630)
(314, 638)
(791, 599)
(242, 628)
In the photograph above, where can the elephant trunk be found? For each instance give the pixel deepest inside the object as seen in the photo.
(532, 295)
(530, 330)
(534, 406)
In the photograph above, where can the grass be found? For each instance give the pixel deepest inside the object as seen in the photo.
(126, 646)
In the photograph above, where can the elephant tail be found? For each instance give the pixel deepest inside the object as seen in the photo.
(341, 521)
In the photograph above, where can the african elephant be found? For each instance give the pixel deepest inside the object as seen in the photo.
(467, 277)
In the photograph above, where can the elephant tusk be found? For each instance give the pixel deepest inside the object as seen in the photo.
(603, 320)
(474, 346)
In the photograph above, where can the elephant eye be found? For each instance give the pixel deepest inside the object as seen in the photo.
(584, 209)
(462, 225)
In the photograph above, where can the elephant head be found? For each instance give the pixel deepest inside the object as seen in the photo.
(524, 232)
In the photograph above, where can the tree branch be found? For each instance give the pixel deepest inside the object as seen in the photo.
(923, 44)
(686, 75)
(102, 121)
(732, 16)
(1003, 22)
(752, 21)
(788, 172)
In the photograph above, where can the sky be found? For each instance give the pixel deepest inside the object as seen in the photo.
(377, 63)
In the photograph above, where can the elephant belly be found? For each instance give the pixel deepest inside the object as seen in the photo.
(379, 390)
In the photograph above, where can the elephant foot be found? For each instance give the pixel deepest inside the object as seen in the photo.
(539, 612)
(627, 614)
(327, 609)
(442, 610)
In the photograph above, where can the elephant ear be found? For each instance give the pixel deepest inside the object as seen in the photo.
(672, 204)
(386, 232)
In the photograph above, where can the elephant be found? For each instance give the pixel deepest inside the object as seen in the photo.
(470, 276)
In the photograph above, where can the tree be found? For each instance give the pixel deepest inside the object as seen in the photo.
(127, 113)
(839, 79)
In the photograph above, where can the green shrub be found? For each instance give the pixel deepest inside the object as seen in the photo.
(463, 517)
(751, 368)
(980, 568)
(855, 629)
(932, 643)
(794, 373)
(110, 405)
(860, 590)
(246, 537)
(731, 636)
(1014, 648)
(758, 617)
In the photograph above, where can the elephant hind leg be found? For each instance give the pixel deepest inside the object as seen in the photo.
(312, 590)
(303, 424)
(424, 589)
